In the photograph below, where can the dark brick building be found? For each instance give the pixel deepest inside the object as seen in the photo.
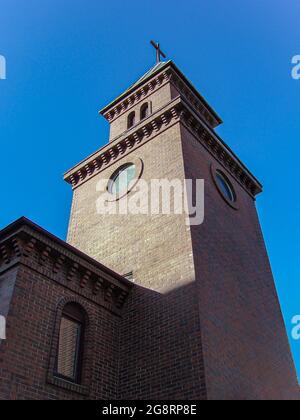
(193, 312)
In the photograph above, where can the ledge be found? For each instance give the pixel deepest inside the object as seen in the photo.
(24, 242)
(178, 110)
(167, 72)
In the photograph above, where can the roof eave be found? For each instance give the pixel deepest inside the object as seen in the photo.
(20, 223)
(151, 75)
(132, 89)
(197, 93)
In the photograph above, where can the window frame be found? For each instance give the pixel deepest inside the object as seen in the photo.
(78, 363)
(88, 354)
(216, 169)
(230, 192)
(145, 106)
(139, 166)
(113, 179)
(131, 120)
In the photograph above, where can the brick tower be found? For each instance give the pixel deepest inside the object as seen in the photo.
(203, 319)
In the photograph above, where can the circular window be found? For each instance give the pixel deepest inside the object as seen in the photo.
(121, 179)
(225, 186)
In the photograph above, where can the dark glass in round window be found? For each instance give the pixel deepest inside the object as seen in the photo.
(225, 187)
(121, 179)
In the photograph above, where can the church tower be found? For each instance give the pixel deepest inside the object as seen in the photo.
(203, 320)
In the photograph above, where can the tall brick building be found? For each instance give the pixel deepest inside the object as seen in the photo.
(193, 311)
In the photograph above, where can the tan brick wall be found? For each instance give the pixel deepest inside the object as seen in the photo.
(160, 336)
(157, 248)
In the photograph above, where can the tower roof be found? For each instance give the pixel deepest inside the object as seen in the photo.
(151, 73)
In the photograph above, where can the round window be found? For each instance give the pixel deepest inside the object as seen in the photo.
(121, 179)
(225, 187)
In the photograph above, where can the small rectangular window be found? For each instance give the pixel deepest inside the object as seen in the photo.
(69, 349)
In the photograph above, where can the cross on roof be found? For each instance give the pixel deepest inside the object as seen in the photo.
(159, 52)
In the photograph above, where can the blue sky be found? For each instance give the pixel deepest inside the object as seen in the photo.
(67, 59)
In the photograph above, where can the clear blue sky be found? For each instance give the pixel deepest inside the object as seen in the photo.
(66, 59)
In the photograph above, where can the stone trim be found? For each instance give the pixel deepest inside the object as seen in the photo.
(33, 247)
(177, 110)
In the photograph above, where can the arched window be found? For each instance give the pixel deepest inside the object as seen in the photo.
(131, 120)
(70, 345)
(144, 111)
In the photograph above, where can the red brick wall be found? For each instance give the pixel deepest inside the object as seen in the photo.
(245, 346)
(152, 352)
(160, 346)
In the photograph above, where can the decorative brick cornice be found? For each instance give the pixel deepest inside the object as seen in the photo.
(194, 100)
(25, 243)
(123, 145)
(222, 153)
(166, 74)
(139, 95)
(176, 111)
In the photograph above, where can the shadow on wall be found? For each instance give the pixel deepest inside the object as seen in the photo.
(167, 353)
(160, 346)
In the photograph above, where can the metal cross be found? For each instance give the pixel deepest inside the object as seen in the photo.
(159, 52)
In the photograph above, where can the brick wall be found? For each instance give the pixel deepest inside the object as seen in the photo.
(223, 262)
(25, 355)
(160, 346)
(38, 277)
(157, 248)
(160, 340)
(156, 100)
(245, 346)
(203, 319)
